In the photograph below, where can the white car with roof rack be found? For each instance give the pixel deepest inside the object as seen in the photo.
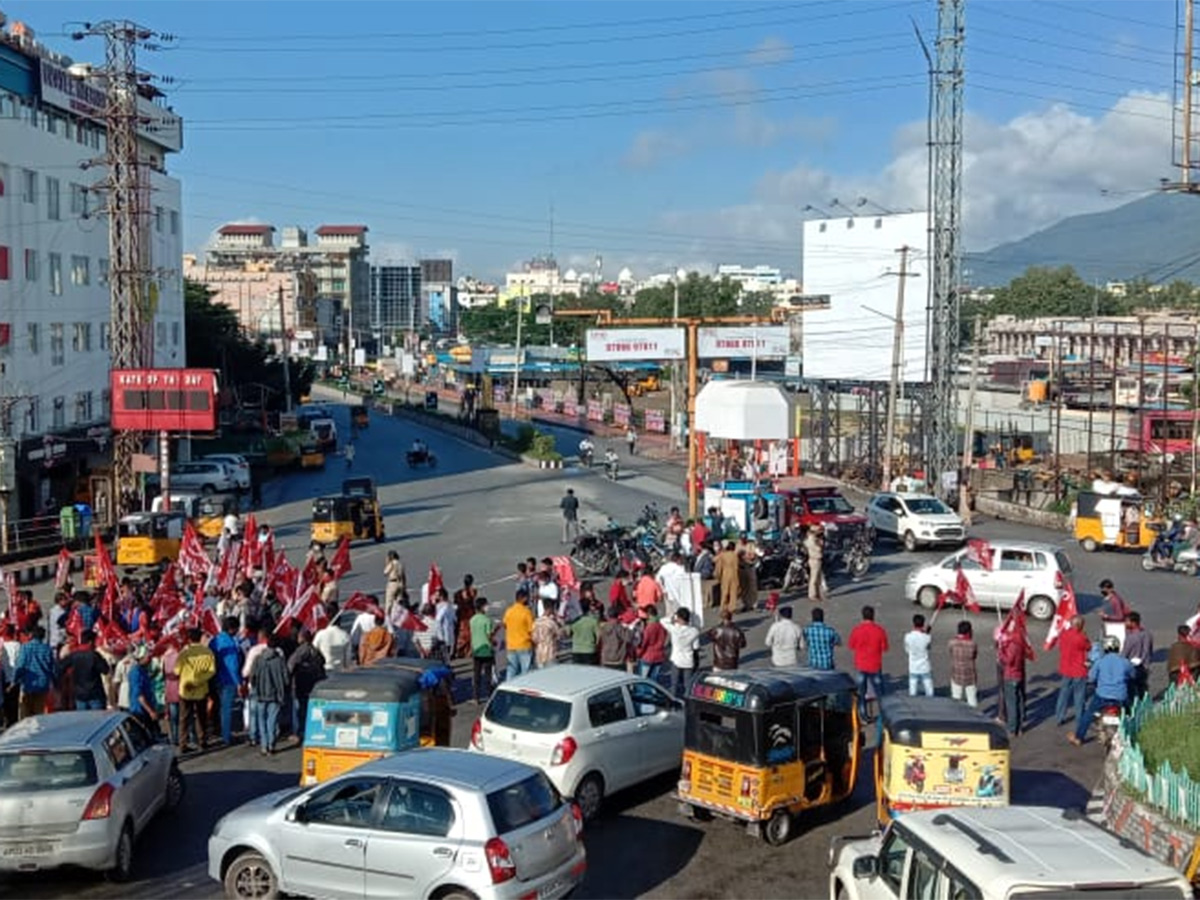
(915, 520)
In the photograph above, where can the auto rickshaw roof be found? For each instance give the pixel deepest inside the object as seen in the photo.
(771, 686)
(369, 686)
(906, 718)
(146, 515)
(363, 486)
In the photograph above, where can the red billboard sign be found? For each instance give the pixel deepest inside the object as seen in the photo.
(164, 399)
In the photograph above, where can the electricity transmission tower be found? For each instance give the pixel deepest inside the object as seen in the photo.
(126, 189)
(946, 227)
(1183, 125)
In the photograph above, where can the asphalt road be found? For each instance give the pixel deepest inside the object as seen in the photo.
(480, 513)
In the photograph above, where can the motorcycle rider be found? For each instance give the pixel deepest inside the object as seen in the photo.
(611, 463)
(1111, 674)
(419, 450)
(586, 451)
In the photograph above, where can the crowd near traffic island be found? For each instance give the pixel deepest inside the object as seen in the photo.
(232, 644)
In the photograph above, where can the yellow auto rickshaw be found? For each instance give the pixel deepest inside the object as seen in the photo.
(761, 745)
(360, 486)
(1118, 521)
(211, 511)
(311, 456)
(935, 752)
(359, 416)
(149, 538)
(356, 716)
(337, 516)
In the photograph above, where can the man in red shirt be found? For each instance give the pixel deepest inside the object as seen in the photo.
(868, 642)
(698, 535)
(1014, 651)
(652, 649)
(1073, 647)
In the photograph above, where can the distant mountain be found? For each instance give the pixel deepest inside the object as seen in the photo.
(1156, 238)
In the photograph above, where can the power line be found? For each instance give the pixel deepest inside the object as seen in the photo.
(1089, 9)
(1007, 15)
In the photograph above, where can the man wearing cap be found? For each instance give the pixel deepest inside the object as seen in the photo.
(141, 688)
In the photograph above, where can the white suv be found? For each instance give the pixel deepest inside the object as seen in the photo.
(237, 462)
(1042, 571)
(996, 854)
(591, 730)
(205, 476)
(916, 520)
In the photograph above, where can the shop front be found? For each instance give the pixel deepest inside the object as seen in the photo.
(62, 469)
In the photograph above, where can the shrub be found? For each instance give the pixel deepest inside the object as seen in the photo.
(1171, 738)
(542, 447)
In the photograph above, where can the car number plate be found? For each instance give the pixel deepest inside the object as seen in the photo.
(550, 890)
(37, 849)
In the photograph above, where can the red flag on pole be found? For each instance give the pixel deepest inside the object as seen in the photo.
(1185, 676)
(300, 609)
(980, 551)
(1067, 609)
(194, 561)
(340, 564)
(435, 580)
(409, 622)
(361, 602)
(63, 571)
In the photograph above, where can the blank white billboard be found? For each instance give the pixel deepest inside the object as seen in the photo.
(856, 261)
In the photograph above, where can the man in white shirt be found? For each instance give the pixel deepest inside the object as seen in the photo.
(232, 524)
(333, 642)
(685, 642)
(785, 639)
(363, 623)
(445, 619)
(920, 669)
(547, 592)
(671, 576)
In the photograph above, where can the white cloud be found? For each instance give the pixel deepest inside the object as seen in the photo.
(1019, 176)
(654, 146)
(771, 51)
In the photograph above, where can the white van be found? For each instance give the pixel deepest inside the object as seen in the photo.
(324, 432)
(997, 853)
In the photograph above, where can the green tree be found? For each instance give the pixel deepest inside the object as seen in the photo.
(214, 341)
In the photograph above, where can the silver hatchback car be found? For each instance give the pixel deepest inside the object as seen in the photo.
(76, 789)
(425, 823)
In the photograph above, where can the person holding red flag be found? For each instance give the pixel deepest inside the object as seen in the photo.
(1073, 648)
(1014, 652)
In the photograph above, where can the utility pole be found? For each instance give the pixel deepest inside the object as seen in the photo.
(1112, 410)
(894, 384)
(1195, 398)
(671, 427)
(1166, 422)
(517, 358)
(8, 463)
(964, 504)
(126, 188)
(1057, 387)
(285, 352)
(1143, 444)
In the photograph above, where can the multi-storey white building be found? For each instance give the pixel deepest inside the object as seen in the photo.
(54, 291)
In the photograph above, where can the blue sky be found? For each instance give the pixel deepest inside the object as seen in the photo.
(661, 134)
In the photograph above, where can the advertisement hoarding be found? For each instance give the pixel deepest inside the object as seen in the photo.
(164, 399)
(744, 342)
(635, 344)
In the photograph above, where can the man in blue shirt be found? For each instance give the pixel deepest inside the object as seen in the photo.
(820, 639)
(35, 674)
(1112, 674)
(141, 688)
(229, 673)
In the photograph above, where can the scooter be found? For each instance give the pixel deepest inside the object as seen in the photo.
(585, 457)
(1109, 721)
(1187, 562)
(612, 469)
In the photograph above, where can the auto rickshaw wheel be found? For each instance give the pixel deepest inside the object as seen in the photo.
(1089, 545)
(778, 828)
(699, 813)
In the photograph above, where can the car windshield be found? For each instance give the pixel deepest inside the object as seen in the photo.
(824, 505)
(517, 805)
(528, 712)
(33, 770)
(927, 506)
(1064, 562)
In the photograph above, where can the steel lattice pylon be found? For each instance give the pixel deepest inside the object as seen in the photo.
(945, 237)
(125, 187)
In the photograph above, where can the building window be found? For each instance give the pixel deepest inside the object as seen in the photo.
(52, 123)
(53, 206)
(34, 416)
(105, 404)
(83, 406)
(821, 228)
(35, 338)
(81, 275)
(54, 260)
(57, 344)
(175, 329)
(104, 336)
(158, 219)
(31, 265)
(4, 273)
(102, 270)
(81, 337)
(338, 285)
(29, 181)
(160, 335)
(79, 200)
(59, 417)
(849, 223)
(6, 419)
(879, 223)
(82, 133)
(174, 221)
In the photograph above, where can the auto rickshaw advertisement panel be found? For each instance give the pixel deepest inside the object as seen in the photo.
(761, 744)
(935, 752)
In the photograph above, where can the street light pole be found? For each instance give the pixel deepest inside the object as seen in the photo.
(517, 359)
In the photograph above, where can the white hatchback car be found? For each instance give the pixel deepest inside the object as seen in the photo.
(916, 520)
(591, 730)
(237, 462)
(1042, 571)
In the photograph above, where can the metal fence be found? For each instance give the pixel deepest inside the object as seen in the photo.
(1175, 794)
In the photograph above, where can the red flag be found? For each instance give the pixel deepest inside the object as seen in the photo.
(361, 602)
(281, 578)
(965, 593)
(300, 609)
(1066, 611)
(74, 624)
(409, 622)
(208, 622)
(980, 551)
(194, 561)
(1185, 676)
(435, 580)
(1014, 627)
(316, 619)
(565, 570)
(63, 571)
(108, 571)
(250, 532)
(110, 636)
(340, 564)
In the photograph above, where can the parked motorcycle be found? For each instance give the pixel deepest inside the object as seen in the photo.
(599, 552)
